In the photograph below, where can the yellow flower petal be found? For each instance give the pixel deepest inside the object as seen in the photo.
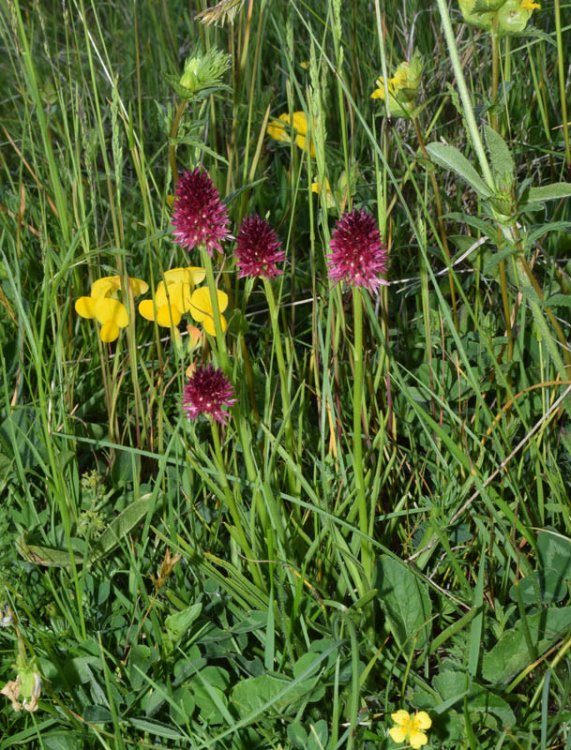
(109, 310)
(398, 734)
(299, 122)
(147, 309)
(138, 286)
(191, 275)
(277, 131)
(401, 717)
(201, 303)
(529, 5)
(84, 307)
(105, 286)
(109, 332)
(378, 94)
(168, 316)
(423, 720)
(210, 328)
(417, 739)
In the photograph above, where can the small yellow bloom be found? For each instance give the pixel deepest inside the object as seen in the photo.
(529, 5)
(176, 296)
(172, 296)
(297, 131)
(105, 308)
(402, 88)
(202, 310)
(410, 728)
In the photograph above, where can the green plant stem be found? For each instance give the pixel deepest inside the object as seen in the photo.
(464, 94)
(495, 73)
(366, 551)
(233, 508)
(220, 339)
(439, 215)
(561, 74)
(172, 135)
(284, 385)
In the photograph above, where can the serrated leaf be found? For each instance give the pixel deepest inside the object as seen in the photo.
(552, 192)
(405, 602)
(451, 158)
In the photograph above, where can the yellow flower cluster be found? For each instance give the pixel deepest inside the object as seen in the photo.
(402, 88)
(288, 128)
(175, 296)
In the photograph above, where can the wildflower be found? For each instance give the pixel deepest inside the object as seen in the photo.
(199, 217)
(258, 249)
(512, 15)
(410, 728)
(104, 306)
(172, 296)
(176, 296)
(297, 132)
(202, 309)
(403, 87)
(358, 255)
(207, 392)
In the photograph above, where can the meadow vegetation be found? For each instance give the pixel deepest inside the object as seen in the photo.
(285, 376)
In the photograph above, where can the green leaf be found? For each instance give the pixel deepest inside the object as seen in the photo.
(405, 602)
(451, 158)
(552, 192)
(502, 162)
(549, 583)
(122, 525)
(511, 653)
(155, 728)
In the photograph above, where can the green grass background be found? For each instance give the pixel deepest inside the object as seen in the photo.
(126, 582)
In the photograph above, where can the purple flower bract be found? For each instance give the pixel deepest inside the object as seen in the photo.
(358, 255)
(206, 392)
(258, 249)
(199, 217)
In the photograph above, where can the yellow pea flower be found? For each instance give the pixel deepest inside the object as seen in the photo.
(103, 306)
(297, 130)
(410, 728)
(202, 311)
(172, 296)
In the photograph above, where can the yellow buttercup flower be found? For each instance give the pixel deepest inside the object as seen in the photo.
(410, 728)
(105, 308)
(297, 130)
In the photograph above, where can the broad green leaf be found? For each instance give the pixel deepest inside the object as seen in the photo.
(155, 728)
(553, 192)
(501, 160)
(406, 603)
(451, 158)
(551, 582)
(511, 652)
(122, 525)
(46, 556)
